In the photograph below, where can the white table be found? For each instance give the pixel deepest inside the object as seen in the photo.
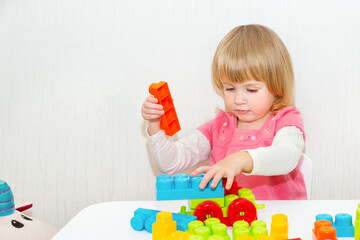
(111, 220)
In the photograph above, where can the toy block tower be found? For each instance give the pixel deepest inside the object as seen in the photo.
(169, 120)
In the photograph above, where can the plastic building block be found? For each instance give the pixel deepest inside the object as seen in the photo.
(323, 230)
(183, 187)
(163, 226)
(196, 237)
(144, 218)
(357, 223)
(178, 235)
(208, 209)
(343, 224)
(241, 228)
(241, 209)
(245, 238)
(213, 229)
(265, 237)
(169, 120)
(7, 206)
(258, 228)
(246, 193)
(233, 208)
(279, 227)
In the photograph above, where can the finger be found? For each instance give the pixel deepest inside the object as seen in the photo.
(207, 177)
(200, 170)
(151, 105)
(152, 99)
(152, 108)
(149, 111)
(216, 179)
(229, 181)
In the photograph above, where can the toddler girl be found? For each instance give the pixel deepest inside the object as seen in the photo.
(259, 139)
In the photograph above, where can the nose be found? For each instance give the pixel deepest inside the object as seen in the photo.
(240, 98)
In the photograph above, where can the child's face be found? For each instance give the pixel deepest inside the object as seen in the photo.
(249, 101)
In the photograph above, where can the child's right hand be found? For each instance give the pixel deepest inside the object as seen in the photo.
(152, 111)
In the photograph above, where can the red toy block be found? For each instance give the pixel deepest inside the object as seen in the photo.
(169, 120)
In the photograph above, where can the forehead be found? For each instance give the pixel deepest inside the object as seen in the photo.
(244, 84)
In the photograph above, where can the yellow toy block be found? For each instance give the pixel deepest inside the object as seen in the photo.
(279, 227)
(245, 237)
(357, 223)
(163, 226)
(178, 235)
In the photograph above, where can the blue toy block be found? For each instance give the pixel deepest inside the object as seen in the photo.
(343, 224)
(183, 187)
(144, 218)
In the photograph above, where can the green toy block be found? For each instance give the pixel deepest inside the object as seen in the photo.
(357, 223)
(220, 229)
(215, 237)
(229, 198)
(183, 211)
(195, 202)
(213, 229)
(210, 222)
(196, 237)
(240, 228)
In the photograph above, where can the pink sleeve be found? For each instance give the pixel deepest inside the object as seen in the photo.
(289, 116)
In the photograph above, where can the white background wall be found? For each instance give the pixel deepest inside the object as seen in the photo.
(74, 73)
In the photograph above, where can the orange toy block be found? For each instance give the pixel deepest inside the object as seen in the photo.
(323, 230)
(169, 120)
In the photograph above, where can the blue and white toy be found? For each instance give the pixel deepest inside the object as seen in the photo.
(15, 225)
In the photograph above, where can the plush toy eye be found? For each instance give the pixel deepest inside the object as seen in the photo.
(26, 217)
(17, 224)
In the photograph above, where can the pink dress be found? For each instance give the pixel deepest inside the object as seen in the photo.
(225, 138)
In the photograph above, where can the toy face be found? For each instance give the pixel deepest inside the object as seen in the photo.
(18, 226)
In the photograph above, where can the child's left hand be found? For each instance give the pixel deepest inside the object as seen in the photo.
(228, 167)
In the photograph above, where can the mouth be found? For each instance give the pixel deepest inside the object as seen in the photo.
(242, 111)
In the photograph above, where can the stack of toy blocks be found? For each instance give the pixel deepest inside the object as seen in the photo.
(183, 187)
(213, 229)
(343, 223)
(144, 218)
(169, 120)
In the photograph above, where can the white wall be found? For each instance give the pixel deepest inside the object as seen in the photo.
(74, 73)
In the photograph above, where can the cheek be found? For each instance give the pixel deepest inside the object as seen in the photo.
(227, 101)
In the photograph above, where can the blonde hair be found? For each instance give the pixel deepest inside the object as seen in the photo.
(255, 52)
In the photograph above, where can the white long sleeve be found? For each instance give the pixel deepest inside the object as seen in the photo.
(279, 158)
(282, 156)
(171, 157)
